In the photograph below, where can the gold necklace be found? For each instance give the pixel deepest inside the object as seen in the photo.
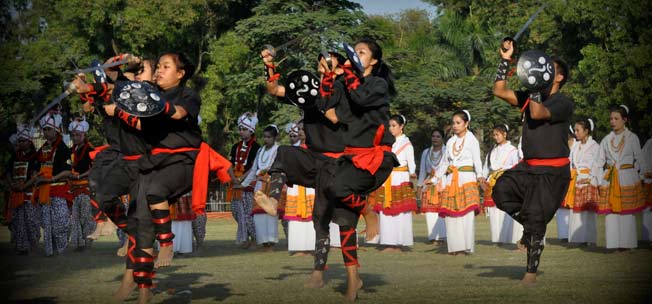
(457, 151)
(619, 147)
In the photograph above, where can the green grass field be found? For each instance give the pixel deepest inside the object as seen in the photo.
(223, 272)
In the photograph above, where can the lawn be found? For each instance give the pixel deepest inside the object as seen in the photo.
(223, 272)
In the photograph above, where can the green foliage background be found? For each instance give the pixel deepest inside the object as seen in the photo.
(442, 62)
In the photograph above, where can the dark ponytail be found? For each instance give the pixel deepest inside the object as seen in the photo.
(380, 69)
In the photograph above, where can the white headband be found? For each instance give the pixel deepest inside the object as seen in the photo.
(626, 108)
(275, 128)
(506, 127)
(570, 128)
(591, 124)
(404, 119)
(468, 115)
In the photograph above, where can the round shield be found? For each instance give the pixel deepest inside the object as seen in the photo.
(98, 75)
(535, 70)
(140, 99)
(302, 88)
(353, 57)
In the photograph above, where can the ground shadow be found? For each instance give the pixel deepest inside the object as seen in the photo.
(439, 249)
(509, 272)
(372, 281)
(291, 272)
(40, 300)
(213, 292)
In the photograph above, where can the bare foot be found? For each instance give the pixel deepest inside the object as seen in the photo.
(144, 295)
(529, 279)
(165, 255)
(268, 204)
(127, 286)
(352, 289)
(299, 254)
(122, 251)
(267, 248)
(520, 247)
(391, 249)
(108, 229)
(98, 231)
(316, 280)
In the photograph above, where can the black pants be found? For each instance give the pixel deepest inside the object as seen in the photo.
(532, 194)
(310, 169)
(109, 178)
(351, 183)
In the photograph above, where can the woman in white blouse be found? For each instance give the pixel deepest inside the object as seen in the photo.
(266, 225)
(582, 197)
(461, 197)
(432, 173)
(617, 170)
(502, 157)
(396, 199)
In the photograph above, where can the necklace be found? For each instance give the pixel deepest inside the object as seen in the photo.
(617, 148)
(435, 156)
(264, 160)
(457, 150)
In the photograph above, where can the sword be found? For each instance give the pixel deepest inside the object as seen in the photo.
(70, 88)
(128, 59)
(272, 50)
(525, 26)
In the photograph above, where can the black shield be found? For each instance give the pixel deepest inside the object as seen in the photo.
(535, 70)
(353, 57)
(98, 75)
(302, 88)
(140, 99)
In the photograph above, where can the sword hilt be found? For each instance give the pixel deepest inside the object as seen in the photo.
(507, 39)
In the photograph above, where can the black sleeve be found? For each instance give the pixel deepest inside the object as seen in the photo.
(372, 92)
(61, 158)
(251, 158)
(190, 102)
(9, 166)
(521, 98)
(560, 107)
(84, 163)
(233, 153)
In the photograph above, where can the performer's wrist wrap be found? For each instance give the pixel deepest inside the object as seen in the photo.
(170, 109)
(350, 77)
(129, 119)
(86, 98)
(503, 68)
(326, 86)
(270, 72)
